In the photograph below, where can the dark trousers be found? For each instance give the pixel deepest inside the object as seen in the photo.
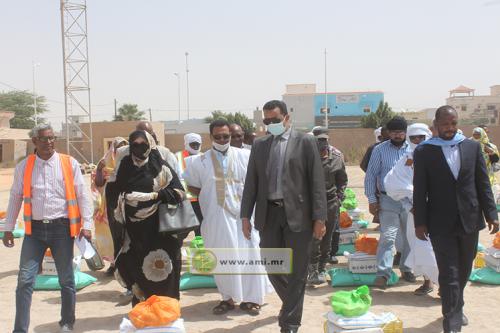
(454, 255)
(56, 237)
(322, 249)
(290, 287)
(199, 216)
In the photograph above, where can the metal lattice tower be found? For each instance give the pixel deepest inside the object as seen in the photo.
(76, 78)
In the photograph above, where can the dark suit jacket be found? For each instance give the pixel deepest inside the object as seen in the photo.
(443, 203)
(303, 182)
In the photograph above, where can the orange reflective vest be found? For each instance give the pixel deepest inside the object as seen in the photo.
(72, 204)
(181, 162)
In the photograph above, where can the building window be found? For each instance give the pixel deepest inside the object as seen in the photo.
(491, 107)
(367, 109)
(463, 107)
(291, 109)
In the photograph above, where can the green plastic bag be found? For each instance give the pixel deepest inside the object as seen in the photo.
(342, 277)
(192, 281)
(17, 233)
(352, 303)
(485, 275)
(51, 282)
(350, 201)
(362, 224)
(197, 243)
(345, 248)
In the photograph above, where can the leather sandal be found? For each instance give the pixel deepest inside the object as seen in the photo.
(222, 308)
(251, 308)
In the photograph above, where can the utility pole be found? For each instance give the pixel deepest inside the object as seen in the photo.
(187, 84)
(178, 96)
(326, 97)
(150, 115)
(116, 113)
(34, 93)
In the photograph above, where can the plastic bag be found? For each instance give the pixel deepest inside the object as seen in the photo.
(342, 277)
(350, 201)
(479, 260)
(496, 241)
(197, 243)
(485, 275)
(345, 220)
(155, 311)
(352, 303)
(367, 245)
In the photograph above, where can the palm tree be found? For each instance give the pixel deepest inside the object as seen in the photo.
(129, 112)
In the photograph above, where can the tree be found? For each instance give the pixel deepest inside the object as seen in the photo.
(237, 118)
(379, 118)
(129, 112)
(21, 103)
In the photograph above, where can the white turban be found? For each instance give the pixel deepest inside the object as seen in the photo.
(418, 129)
(190, 138)
(377, 133)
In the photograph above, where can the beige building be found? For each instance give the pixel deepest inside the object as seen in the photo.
(476, 109)
(12, 140)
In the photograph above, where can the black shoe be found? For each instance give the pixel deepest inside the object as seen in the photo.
(289, 330)
(333, 260)
(465, 320)
(451, 332)
(409, 277)
(397, 259)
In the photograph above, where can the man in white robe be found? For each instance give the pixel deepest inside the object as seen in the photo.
(218, 177)
(399, 186)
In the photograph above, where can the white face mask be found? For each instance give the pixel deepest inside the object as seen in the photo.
(221, 148)
(276, 129)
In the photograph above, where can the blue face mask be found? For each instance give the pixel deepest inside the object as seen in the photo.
(276, 129)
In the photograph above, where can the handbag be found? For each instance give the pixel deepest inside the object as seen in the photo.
(95, 263)
(177, 219)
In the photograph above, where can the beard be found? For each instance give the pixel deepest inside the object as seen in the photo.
(398, 143)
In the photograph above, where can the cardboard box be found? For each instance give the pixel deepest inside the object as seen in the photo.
(353, 228)
(362, 263)
(348, 238)
(49, 266)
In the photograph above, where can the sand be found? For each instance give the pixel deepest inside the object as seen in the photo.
(98, 306)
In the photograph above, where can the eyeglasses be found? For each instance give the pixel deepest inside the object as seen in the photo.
(268, 121)
(47, 138)
(221, 136)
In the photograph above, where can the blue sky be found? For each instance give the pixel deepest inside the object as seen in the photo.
(242, 53)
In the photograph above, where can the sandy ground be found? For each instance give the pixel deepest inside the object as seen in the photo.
(99, 309)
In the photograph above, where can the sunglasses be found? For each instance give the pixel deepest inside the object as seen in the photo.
(221, 136)
(47, 138)
(268, 121)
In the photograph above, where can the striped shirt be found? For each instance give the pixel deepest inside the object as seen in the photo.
(383, 159)
(48, 195)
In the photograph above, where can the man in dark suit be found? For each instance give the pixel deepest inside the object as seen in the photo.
(452, 197)
(286, 185)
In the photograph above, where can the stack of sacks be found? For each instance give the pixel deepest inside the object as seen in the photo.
(17, 233)
(348, 233)
(196, 281)
(350, 314)
(362, 266)
(157, 314)
(490, 274)
(47, 278)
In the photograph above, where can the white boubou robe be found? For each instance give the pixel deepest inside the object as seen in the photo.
(399, 186)
(221, 179)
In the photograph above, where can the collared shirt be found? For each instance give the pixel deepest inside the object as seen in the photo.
(222, 158)
(452, 156)
(383, 158)
(282, 140)
(48, 194)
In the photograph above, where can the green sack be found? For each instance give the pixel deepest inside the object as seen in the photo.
(51, 282)
(342, 277)
(350, 201)
(197, 243)
(17, 233)
(362, 224)
(480, 247)
(352, 303)
(485, 275)
(345, 247)
(192, 281)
